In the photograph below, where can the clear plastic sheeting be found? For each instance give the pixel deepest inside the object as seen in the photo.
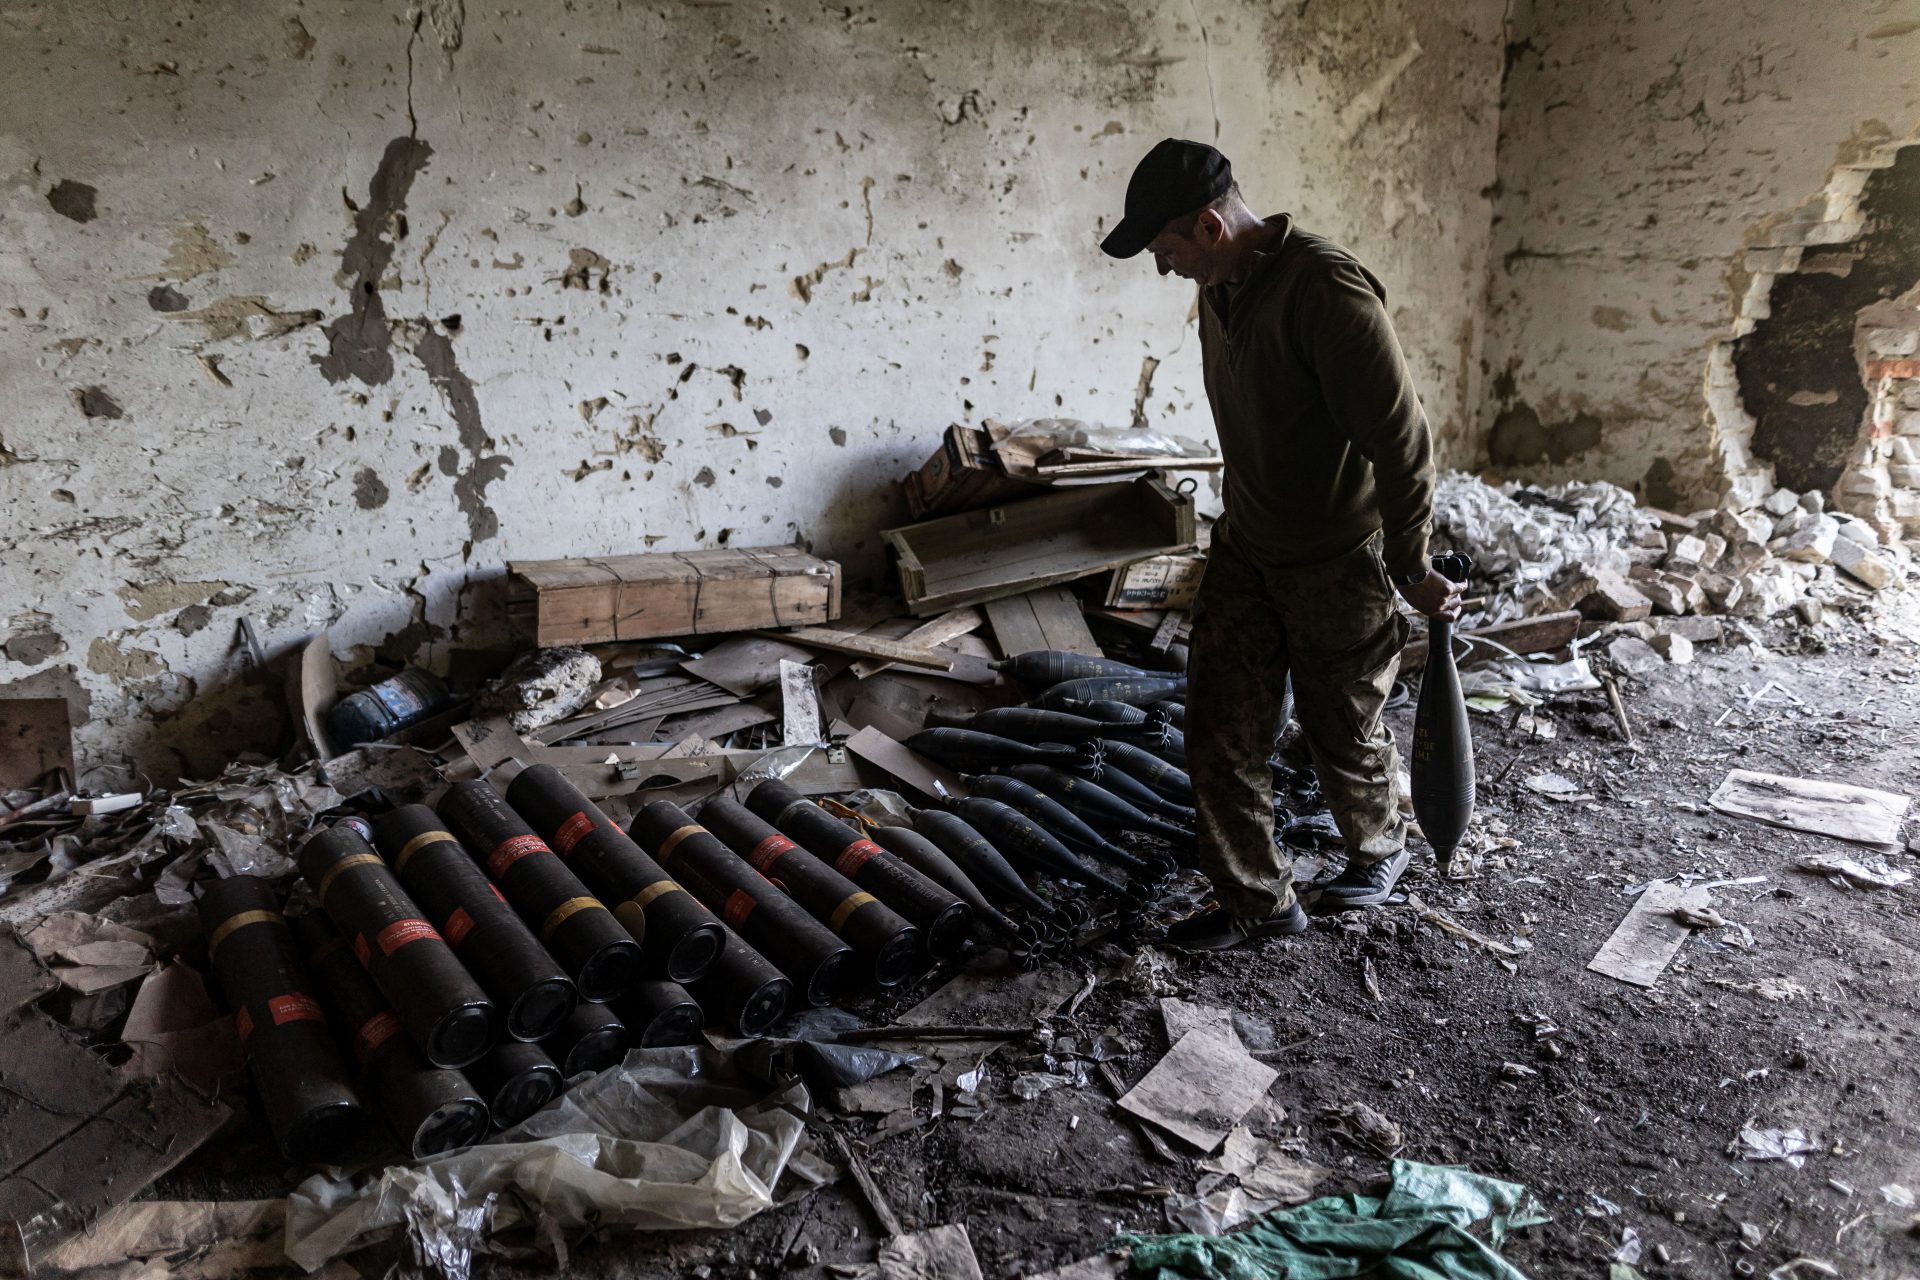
(671, 1139)
(1522, 537)
(1040, 435)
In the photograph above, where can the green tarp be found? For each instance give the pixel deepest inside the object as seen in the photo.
(1418, 1231)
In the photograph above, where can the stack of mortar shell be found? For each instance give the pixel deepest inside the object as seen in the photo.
(592, 1039)
(943, 917)
(678, 937)
(769, 921)
(432, 1109)
(516, 1079)
(572, 924)
(289, 1049)
(886, 942)
(743, 992)
(659, 1011)
(442, 1008)
(532, 992)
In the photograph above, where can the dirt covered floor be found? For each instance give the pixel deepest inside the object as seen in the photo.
(1616, 1105)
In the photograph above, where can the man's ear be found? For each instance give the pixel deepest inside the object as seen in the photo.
(1209, 227)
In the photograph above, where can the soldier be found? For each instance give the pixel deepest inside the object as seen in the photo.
(1329, 495)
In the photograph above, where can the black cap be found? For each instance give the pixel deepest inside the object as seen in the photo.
(1176, 177)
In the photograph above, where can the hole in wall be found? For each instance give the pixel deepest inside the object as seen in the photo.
(1813, 370)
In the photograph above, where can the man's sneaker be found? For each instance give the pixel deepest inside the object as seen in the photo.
(1362, 884)
(1215, 929)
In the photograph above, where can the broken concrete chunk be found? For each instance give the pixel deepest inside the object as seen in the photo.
(1789, 524)
(1688, 551)
(541, 687)
(1858, 530)
(1634, 656)
(1716, 547)
(1665, 597)
(1862, 563)
(1723, 591)
(1813, 500)
(1813, 542)
(1779, 502)
(1614, 599)
(1769, 590)
(1698, 630)
(1691, 594)
(1675, 648)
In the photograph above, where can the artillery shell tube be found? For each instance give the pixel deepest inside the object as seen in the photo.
(751, 905)
(1057, 820)
(743, 992)
(516, 1080)
(1168, 780)
(659, 1012)
(1126, 787)
(432, 1109)
(924, 856)
(1032, 725)
(943, 917)
(1096, 805)
(1019, 836)
(533, 992)
(970, 749)
(1108, 711)
(1039, 668)
(677, 936)
(592, 1038)
(290, 1053)
(974, 854)
(1136, 690)
(439, 1003)
(571, 923)
(1440, 765)
(883, 939)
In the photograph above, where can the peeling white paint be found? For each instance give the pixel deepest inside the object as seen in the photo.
(616, 202)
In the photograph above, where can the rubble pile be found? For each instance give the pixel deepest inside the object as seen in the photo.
(1588, 547)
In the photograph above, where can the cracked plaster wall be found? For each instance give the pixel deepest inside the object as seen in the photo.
(317, 313)
(1657, 162)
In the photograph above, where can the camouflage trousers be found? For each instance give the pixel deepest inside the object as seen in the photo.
(1334, 628)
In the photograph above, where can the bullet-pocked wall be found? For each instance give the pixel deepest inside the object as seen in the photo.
(315, 314)
(1659, 165)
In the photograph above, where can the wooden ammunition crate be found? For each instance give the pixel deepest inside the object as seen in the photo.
(591, 600)
(1158, 582)
(1041, 542)
(962, 474)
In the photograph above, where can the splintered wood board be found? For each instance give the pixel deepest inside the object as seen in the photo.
(1646, 940)
(1859, 814)
(799, 705)
(948, 626)
(870, 647)
(1049, 618)
(908, 766)
(1041, 542)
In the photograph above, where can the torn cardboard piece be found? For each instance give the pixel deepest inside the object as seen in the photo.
(1202, 1088)
(1650, 935)
(88, 954)
(1860, 814)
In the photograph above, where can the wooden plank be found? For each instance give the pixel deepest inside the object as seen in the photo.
(869, 647)
(1649, 936)
(948, 626)
(1014, 625)
(1057, 610)
(799, 705)
(1112, 466)
(1860, 814)
(1169, 628)
(912, 769)
(635, 597)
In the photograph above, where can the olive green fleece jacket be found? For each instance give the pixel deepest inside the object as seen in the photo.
(1322, 431)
